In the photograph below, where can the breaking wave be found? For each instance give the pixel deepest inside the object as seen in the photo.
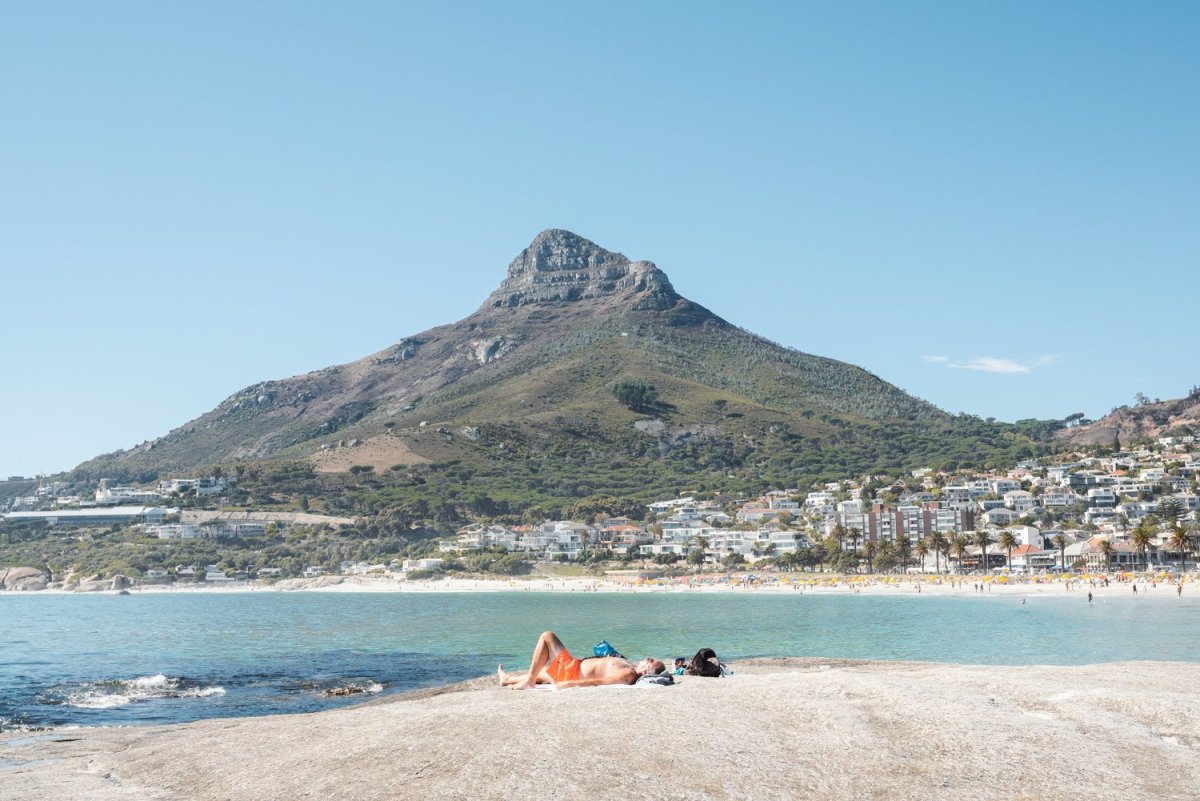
(119, 692)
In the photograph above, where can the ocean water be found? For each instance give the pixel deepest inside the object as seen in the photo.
(69, 660)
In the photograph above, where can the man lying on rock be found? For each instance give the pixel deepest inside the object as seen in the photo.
(553, 664)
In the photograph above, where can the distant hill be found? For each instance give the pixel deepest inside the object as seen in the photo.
(531, 374)
(1146, 420)
(16, 487)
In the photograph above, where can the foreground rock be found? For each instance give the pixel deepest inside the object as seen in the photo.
(786, 729)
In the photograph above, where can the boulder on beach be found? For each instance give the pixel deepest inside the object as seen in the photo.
(308, 583)
(22, 579)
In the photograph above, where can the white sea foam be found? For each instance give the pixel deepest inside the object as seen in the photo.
(109, 694)
(373, 687)
(151, 682)
(97, 700)
(8, 725)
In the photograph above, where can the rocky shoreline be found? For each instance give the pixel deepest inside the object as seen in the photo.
(778, 729)
(22, 579)
(30, 579)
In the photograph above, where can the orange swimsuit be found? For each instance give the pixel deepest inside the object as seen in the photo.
(564, 667)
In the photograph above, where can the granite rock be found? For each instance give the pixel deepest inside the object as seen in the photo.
(563, 267)
(23, 579)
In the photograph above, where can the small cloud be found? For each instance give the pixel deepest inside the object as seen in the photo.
(994, 364)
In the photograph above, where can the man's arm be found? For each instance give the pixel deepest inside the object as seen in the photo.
(620, 677)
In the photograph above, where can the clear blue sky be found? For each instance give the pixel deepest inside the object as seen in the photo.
(994, 206)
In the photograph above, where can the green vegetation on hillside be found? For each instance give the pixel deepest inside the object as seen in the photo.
(567, 478)
(125, 551)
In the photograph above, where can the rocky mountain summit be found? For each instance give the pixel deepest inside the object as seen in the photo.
(561, 267)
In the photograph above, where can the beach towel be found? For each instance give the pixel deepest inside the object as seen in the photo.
(663, 679)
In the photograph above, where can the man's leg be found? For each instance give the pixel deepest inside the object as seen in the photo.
(547, 646)
(508, 679)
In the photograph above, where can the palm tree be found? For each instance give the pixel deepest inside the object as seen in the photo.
(1008, 541)
(698, 544)
(940, 545)
(983, 539)
(1180, 542)
(1060, 542)
(869, 550)
(922, 550)
(903, 547)
(1143, 538)
(839, 534)
(958, 546)
(819, 546)
(1106, 550)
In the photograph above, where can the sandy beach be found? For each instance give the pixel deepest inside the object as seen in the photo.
(1103, 588)
(778, 729)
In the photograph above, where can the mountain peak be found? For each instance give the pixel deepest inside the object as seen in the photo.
(562, 267)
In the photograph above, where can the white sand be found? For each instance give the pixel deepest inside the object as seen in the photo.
(1120, 587)
(780, 729)
(793, 583)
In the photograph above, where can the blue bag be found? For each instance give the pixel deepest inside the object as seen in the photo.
(602, 648)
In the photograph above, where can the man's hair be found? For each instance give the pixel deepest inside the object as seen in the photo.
(656, 666)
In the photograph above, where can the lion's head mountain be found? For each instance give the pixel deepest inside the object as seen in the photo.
(530, 375)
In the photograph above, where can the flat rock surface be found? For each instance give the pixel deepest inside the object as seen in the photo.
(778, 729)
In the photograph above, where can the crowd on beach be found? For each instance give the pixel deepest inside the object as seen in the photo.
(933, 584)
(1101, 585)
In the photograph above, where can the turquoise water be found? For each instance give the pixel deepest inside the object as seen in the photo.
(157, 658)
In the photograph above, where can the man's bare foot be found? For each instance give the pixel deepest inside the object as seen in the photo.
(508, 679)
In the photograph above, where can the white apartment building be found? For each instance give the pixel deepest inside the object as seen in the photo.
(115, 496)
(1019, 501)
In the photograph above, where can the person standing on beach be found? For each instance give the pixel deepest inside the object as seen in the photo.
(1089, 597)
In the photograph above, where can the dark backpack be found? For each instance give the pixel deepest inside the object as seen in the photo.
(704, 663)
